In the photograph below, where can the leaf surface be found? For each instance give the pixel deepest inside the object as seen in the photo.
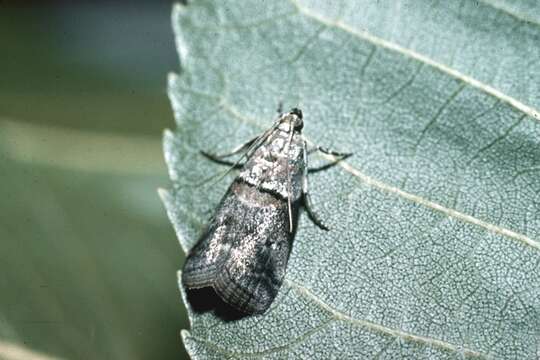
(434, 247)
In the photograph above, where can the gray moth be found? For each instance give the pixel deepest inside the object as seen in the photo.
(243, 252)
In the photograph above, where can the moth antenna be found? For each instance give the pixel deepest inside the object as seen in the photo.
(280, 107)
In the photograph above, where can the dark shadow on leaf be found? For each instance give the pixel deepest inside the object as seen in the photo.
(205, 300)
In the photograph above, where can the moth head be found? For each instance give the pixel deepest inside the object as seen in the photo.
(297, 112)
(294, 119)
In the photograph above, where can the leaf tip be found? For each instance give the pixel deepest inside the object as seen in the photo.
(163, 195)
(177, 8)
(172, 77)
(187, 340)
(168, 134)
(185, 333)
(178, 107)
(177, 11)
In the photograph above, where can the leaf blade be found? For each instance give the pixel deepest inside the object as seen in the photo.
(419, 231)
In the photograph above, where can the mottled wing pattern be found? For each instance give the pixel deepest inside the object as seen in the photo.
(244, 253)
(254, 270)
(206, 258)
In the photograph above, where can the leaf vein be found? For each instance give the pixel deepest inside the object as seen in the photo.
(437, 207)
(269, 351)
(312, 39)
(338, 315)
(439, 112)
(497, 139)
(515, 15)
(405, 85)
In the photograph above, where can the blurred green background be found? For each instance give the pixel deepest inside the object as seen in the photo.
(88, 259)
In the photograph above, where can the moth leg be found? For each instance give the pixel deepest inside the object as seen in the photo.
(307, 198)
(234, 151)
(231, 164)
(221, 161)
(328, 151)
(250, 145)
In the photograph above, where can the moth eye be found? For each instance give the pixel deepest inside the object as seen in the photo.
(297, 112)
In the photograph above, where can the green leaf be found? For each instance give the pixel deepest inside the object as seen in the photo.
(434, 247)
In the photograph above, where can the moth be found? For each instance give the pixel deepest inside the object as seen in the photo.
(243, 252)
